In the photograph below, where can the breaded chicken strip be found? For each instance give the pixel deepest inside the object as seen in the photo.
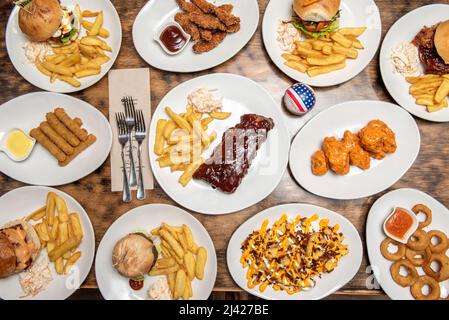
(207, 21)
(189, 27)
(188, 6)
(206, 34)
(221, 12)
(204, 46)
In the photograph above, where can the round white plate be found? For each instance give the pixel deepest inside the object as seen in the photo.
(113, 286)
(380, 210)
(405, 30)
(354, 116)
(240, 96)
(354, 13)
(41, 168)
(157, 13)
(19, 203)
(15, 40)
(329, 283)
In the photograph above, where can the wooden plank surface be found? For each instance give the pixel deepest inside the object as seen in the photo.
(429, 173)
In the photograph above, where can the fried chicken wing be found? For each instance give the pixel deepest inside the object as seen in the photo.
(207, 21)
(337, 154)
(378, 139)
(189, 27)
(319, 163)
(357, 156)
(202, 46)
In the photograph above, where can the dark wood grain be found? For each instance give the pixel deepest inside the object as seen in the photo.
(429, 173)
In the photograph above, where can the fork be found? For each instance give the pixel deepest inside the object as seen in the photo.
(123, 139)
(130, 120)
(140, 137)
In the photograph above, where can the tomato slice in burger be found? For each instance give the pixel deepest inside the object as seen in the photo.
(321, 25)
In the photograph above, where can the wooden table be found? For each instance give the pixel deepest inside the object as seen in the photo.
(429, 173)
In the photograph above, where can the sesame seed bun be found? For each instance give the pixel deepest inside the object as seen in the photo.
(323, 10)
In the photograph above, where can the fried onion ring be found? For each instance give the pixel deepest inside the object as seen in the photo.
(428, 213)
(418, 241)
(389, 255)
(434, 289)
(443, 241)
(418, 258)
(409, 279)
(443, 261)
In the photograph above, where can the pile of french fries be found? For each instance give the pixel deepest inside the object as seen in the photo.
(82, 58)
(430, 90)
(325, 54)
(183, 260)
(59, 232)
(181, 140)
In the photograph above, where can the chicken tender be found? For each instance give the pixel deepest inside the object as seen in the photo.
(188, 7)
(378, 139)
(189, 27)
(206, 34)
(357, 156)
(202, 46)
(222, 13)
(319, 163)
(207, 21)
(337, 154)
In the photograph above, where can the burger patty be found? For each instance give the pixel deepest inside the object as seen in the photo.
(428, 54)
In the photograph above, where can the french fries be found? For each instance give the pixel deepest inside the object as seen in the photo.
(182, 261)
(82, 57)
(325, 54)
(60, 232)
(430, 91)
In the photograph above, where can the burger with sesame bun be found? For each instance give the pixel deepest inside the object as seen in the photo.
(316, 18)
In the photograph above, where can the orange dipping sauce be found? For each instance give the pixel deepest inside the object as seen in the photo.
(399, 223)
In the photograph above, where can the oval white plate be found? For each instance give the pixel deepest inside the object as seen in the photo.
(329, 283)
(241, 95)
(405, 30)
(27, 112)
(354, 116)
(157, 13)
(15, 40)
(113, 286)
(354, 13)
(380, 210)
(19, 203)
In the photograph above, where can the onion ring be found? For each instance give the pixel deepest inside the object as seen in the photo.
(434, 287)
(389, 255)
(441, 247)
(411, 255)
(418, 241)
(409, 279)
(443, 261)
(426, 210)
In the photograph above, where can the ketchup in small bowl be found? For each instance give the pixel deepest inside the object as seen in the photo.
(400, 224)
(172, 38)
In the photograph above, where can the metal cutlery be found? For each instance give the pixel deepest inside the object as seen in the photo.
(123, 138)
(130, 120)
(140, 135)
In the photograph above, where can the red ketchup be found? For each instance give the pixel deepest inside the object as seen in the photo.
(136, 284)
(173, 38)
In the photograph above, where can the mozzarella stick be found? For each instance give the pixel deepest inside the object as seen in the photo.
(70, 124)
(82, 146)
(57, 125)
(56, 138)
(41, 138)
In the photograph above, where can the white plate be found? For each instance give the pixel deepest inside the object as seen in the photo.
(41, 168)
(354, 116)
(15, 40)
(241, 95)
(354, 13)
(21, 202)
(329, 283)
(380, 210)
(405, 30)
(157, 13)
(113, 286)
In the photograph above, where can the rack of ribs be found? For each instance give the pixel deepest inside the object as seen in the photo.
(231, 159)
